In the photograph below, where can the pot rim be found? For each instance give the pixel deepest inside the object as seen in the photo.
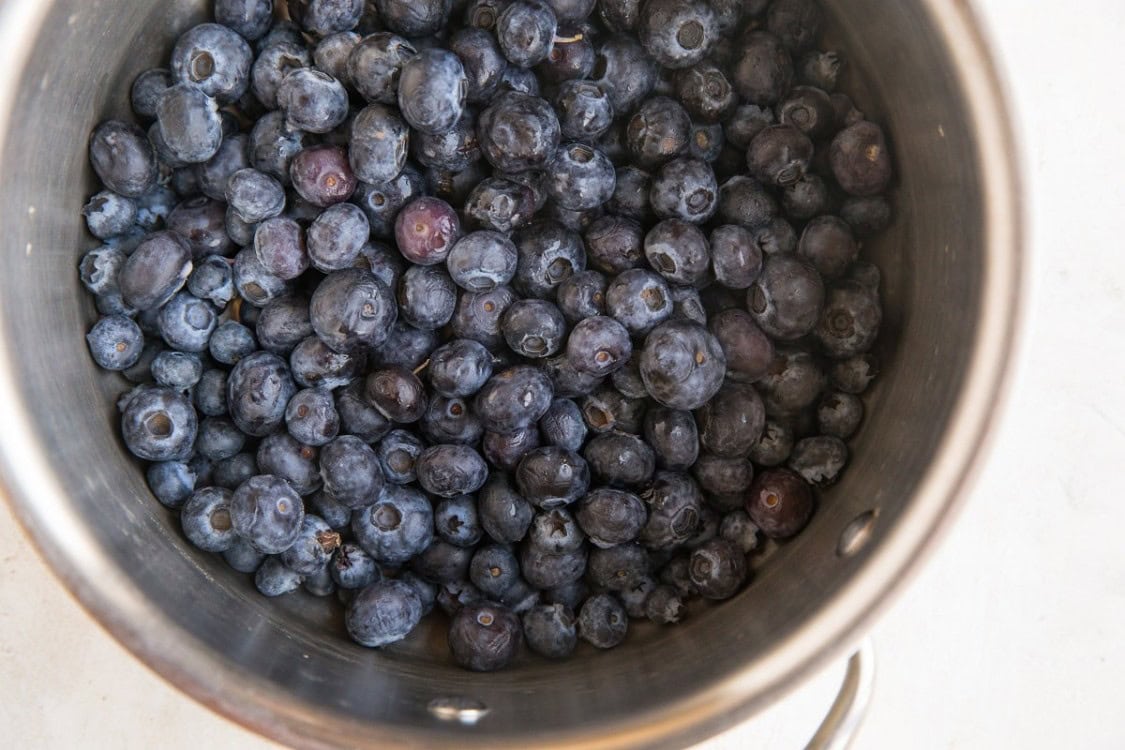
(116, 605)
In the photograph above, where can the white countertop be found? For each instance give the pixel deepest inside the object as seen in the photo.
(1011, 637)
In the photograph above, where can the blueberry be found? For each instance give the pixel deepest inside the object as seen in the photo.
(577, 221)
(779, 155)
(614, 244)
(324, 17)
(749, 352)
(398, 526)
(414, 19)
(109, 214)
(795, 22)
(705, 92)
(115, 342)
(780, 503)
(602, 621)
(443, 563)
(219, 438)
(214, 59)
(551, 477)
(550, 630)
(566, 381)
(266, 512)
(724, 477)
(210, 393)
(732, 421)
(336, 237)
(619, 568)
(518, 132)
(545, 570)
(242, 557)
(854, 374)
(493, 570)
(254, 196)
(397, 393)
(819, 459)
(186, 323)
(764, 72)
(314, 548)
(735, 257)
(866, 215)
(571, 58)
(674, 507)
(431, 90)
(460, 368)
(426, 230)
(123, 158)
(274, 579)
(611, 517)
(673, 437)
(406, 346)
(335, 514)
(860, 159)
(526, 32)
(427, 297)
(320, 583)
(598, 346)
(99, 270)
(272, 146)
(570, 595)
(682, 364)
(606, 410)
(282, 456)
(448, 470)
(457, 521)
(500, 205)
(582, 296)
(351, 471)
(397, 453)
(188, 124)
(809, 110)
(620, 460)
(533, 328)
(375, 64)
(230, 342)
(745, 202)
(787, 298)
(850, 320)
(776, 237)
(679, 251)
(171, 482)
(212, 280)
(707, 144)
(352, 568)
(351, 310)
(258, 389)
(827, 244)
(454, 187)
(155, 271)
(484, 637)
(556, 532)
(202, 222)
(585, 110)
(820, 69)
(838, 414)
(664, 605)
(382, 202)
(382, 613)
(384, 262)
(658, 131)
(793, 382)
(638, 299)
(452, 150)
(234, 471)
(146, 90)
(620, 15)
(625, 71)
(452, 597)
(562, 425)
(314, 365)
(504, 514)
(177, 370)
(718, 569)
(377, 144)
(579, 177)
(159, 424)
(678, 34)
(482, 60)
(333, 52)
(357, 417)
(322, 175)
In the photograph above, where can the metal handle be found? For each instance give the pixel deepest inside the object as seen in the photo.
(844, 718)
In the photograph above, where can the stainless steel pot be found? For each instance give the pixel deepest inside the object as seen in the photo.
(952, 276)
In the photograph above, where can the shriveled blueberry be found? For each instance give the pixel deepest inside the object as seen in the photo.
(705, 91)
(448, 470)
(322, 175)
(212, 280)
(352, 568)
(258, 390)
(427, 297)
(854, 374)
(819, 459)
(499, 204)
(551, 477)
(602, 621)
(563, 426)
(375, 64)
(396, 527)
(351, 471)
(787, 298)
(351, 310)
(838, 414)
(518, 132)
(735, 257)
(780, 503)
(123, 158)
(484, 637)
(383, 613)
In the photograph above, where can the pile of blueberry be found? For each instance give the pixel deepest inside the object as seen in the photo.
(541, 312)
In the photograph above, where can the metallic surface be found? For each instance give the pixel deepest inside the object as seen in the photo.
(952, 274)
(841, 725)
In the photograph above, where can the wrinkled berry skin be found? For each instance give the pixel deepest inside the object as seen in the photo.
(258, 390)
(780, 503)
(484, 637)
(123, 158)
(352, 310)
(764, 71)
(682, 365)
(266, 512)
(518, 132)
(431, 90)
(383, 613)
(414, 19)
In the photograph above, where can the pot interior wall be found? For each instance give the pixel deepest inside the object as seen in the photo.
(78, 74)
